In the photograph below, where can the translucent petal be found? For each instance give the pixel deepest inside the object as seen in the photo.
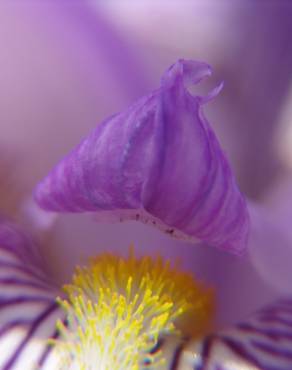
(270, 244)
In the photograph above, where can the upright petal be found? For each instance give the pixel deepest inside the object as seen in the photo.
(159, 162)
(28, 308)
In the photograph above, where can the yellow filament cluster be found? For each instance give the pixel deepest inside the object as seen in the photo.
(117, 308)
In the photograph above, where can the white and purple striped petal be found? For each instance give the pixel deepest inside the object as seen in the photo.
(262, 342)
(28, 308)
(160, 162)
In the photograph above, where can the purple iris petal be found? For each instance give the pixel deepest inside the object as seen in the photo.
(28, 309)
(160, 162)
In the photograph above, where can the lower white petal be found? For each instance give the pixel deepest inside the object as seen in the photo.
(28, 308)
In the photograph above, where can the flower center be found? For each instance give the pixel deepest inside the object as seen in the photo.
(117, 308)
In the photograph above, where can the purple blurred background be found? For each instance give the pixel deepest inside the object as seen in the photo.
(65, 65)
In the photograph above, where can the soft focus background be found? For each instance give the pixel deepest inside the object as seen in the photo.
(66, 65)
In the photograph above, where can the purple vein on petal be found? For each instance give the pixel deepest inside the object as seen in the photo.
(28, 307)
(22, 282)
(33, 328)
(272, 333)
(158, 162)
(48, 349)
(24, 270)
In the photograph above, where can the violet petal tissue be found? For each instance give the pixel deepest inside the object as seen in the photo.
(159, 162)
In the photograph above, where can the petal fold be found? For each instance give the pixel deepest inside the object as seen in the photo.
(160, 162)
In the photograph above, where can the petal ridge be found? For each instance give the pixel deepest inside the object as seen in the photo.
(159, 159)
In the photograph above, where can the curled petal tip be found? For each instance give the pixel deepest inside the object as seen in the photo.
(212, 94)
(190, 71)
(159, 162)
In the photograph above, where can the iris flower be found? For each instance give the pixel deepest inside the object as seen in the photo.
(29, 312)
(158, 162)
